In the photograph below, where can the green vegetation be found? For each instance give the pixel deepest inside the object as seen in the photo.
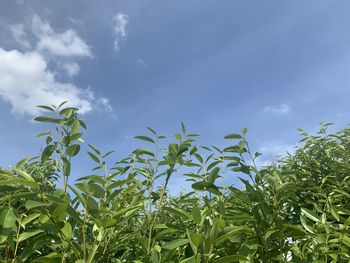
(296, 210)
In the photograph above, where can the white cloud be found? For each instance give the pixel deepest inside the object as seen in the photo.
(19, 35)
(120, 22)
(71, 69)
(26, 79)
(281, 109)
(65, 44)
(25, 82)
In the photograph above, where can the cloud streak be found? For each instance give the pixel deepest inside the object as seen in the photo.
(19, 35)
(282, 109)
(120, 21)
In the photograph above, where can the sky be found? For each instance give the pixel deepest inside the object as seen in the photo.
(218, 66)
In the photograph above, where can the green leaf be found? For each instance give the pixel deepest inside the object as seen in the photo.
(233, 136)
(206, 186)
(66, 168)
(47, 152)
(73, 150)
(311, 215)
(183, 128)
(306, 225)
(30, 204)
(178, 212)
(195, 239)
(49, 119)
(145, 138)
(62, 103)
(22, 162)
(68, 111)
(234, 232)
(231, 259)
(29, 219)
(82, 124)
(213, 175)
(29, 234)
(196, 214)
(46, 108)
(97, 151)
(25, 175)
(143, 151)
(67, 230)
(175, 244)
(7, 222)
(53, 257)
(152, 131)
(106, 154)
(94, 157)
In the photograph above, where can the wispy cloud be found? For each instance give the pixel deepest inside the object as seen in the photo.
(120, 21)
(71, 69)
(281, 109)
(19, 35)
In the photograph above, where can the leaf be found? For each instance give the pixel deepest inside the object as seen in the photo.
(73, 150)
(7, 222)
(97, 151)
(195, 239)
(68, 111)
(206, 186)
(106, 154)
(53, 257)
(25, 176)
(29, 234)
(183, 128)
(233, 136)
(30, 204)
(47, 152)
(62, 103)
(46, 108)
(311, 215)
(67, 230)
(213, 175)
(93, 157)
(152, 131)
(306, 225)
(175, 244)
(233, 232)
(231, 258)
(49, 119)
(66, 169)
(22, 162)
(178, 212)
(143, 151)
(196, 214)
(82, 124)
(145, 138)
(29, 219)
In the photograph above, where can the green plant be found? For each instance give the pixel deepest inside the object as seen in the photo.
(296, 210)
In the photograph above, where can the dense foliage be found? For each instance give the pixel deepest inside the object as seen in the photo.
(296, 210)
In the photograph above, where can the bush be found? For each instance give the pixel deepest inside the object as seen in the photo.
(296, 210)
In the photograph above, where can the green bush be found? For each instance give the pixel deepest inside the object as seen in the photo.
(296, 210)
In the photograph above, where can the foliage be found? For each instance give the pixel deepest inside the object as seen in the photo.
(296, 210)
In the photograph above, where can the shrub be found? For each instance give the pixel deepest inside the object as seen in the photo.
(296, 210)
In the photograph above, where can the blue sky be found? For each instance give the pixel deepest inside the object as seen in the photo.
(218, 66)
